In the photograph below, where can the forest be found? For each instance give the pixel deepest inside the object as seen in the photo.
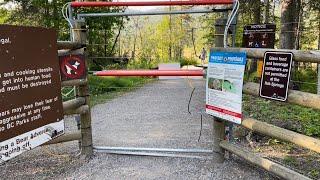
(152, 39)
(145, 41)
(142, 42)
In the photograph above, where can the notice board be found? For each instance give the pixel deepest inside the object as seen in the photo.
(259, 36)
(276, 75)
(31, 110)
(225, 84)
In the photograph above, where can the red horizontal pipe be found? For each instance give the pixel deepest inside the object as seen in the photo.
(150, 3)
(150, 73)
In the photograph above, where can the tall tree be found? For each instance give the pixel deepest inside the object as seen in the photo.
(267, 11)
(257, 12)
(289, 14)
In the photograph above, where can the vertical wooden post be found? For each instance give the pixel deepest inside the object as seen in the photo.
(318, 79)
(79, 35)
(218, 125)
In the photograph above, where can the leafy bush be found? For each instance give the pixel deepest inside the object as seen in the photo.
(101, 85)
(188, 61)
(305, 80)
(141, 64)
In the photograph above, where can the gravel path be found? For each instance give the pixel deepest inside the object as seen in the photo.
(153, 116)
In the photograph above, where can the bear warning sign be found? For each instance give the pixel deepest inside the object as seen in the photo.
(31, 110)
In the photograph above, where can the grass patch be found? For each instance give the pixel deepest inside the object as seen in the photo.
(293, 117)
(289, 160)
(106, 88)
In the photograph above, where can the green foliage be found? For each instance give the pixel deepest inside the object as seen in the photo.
(100, 85)
(305, 79)
(315, 173)
(39, 13)
(141, 64)
(289, 160)
(4, 14)
(188, 61)
(104, 88)
(42, 13)
(293, 117)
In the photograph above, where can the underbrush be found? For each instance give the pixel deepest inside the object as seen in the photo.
(104, 88)
(293, 117)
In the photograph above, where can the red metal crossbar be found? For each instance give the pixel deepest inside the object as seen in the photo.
(150, 73)
(150, 3)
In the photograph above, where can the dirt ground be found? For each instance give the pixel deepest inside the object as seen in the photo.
(153, 116)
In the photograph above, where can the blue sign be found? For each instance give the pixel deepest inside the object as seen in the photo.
(236, 58)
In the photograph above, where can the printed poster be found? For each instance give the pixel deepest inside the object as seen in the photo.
(225, 84)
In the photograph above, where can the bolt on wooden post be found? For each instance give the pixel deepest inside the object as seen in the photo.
(79, 36)
(218, 124)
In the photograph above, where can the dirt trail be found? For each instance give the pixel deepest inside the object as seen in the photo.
(153, 116)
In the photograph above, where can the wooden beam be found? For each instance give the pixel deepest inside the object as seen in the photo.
(298, 55)
(76, 82)
(294, 97)
(70, 52)
(283, 134)
(83, 91)
(219, 132)
(66, 138)
(81, 110)
(266, 164)
(69, 45)
(73, 104)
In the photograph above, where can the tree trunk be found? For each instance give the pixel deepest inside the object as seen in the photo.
(135, 39)
(267, 12)
(56, 15)
(105, 42)
(299, 26)
(256, 20)
(319, 29)
(289, 17)
(170, 36)
(288, 25)
(318, 49)
(257, 12)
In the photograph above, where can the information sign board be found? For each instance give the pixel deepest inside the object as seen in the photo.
(31, 110)
(224, 85)
(259, 36)
(276, 75)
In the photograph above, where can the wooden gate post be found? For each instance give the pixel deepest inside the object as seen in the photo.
(318, 84)
(218, 125)
(79, 36)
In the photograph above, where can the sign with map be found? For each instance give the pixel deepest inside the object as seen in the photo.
(224, 85)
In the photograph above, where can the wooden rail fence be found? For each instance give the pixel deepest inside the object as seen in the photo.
(80, 105)
(294, 97)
